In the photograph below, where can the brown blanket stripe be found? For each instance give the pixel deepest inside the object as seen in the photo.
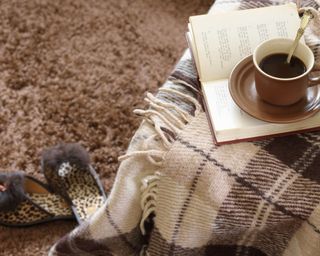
(186, 204)
(247, 184)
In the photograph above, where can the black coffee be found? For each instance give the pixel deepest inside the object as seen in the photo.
(276, 65)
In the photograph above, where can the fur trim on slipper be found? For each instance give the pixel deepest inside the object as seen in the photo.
(69, 173)
(72, 153)
(12, 193)
(52, 159)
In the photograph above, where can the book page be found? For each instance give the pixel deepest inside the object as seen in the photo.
(221, 40)
(223, 110)
(231, 123)
(192, 48)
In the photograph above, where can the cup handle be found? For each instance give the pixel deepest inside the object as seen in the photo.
(313, 81)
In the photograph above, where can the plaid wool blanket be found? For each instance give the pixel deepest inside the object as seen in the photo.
(176, 193)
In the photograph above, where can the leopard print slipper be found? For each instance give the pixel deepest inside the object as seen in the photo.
(69, 173)
(25, 201)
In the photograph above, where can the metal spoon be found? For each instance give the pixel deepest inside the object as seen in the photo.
(307, 16)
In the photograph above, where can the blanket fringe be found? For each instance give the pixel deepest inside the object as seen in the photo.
(183, 114)
(179, 81)
(149, 190)
(164, 117)
(154, 156)
(168, 120)
(186, 97)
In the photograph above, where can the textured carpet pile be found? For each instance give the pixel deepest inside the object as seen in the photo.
(73, 71)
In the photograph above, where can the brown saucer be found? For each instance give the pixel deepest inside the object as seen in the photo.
(243, 91)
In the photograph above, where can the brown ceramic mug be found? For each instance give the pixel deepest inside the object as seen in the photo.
(283, 91)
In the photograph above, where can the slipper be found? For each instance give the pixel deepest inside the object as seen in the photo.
(25, 201)
(69, 173)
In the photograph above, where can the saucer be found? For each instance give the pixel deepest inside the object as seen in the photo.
(243, 91)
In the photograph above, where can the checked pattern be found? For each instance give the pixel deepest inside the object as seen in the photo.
(259, 198)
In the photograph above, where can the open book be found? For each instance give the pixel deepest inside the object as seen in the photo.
(217, 43)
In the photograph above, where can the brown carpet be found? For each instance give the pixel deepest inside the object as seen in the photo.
(73, 71)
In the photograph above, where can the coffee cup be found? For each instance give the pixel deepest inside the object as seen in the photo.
(278, 82)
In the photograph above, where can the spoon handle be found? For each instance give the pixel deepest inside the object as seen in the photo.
(307, 16)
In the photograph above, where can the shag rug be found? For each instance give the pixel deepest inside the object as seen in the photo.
(73, 71)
